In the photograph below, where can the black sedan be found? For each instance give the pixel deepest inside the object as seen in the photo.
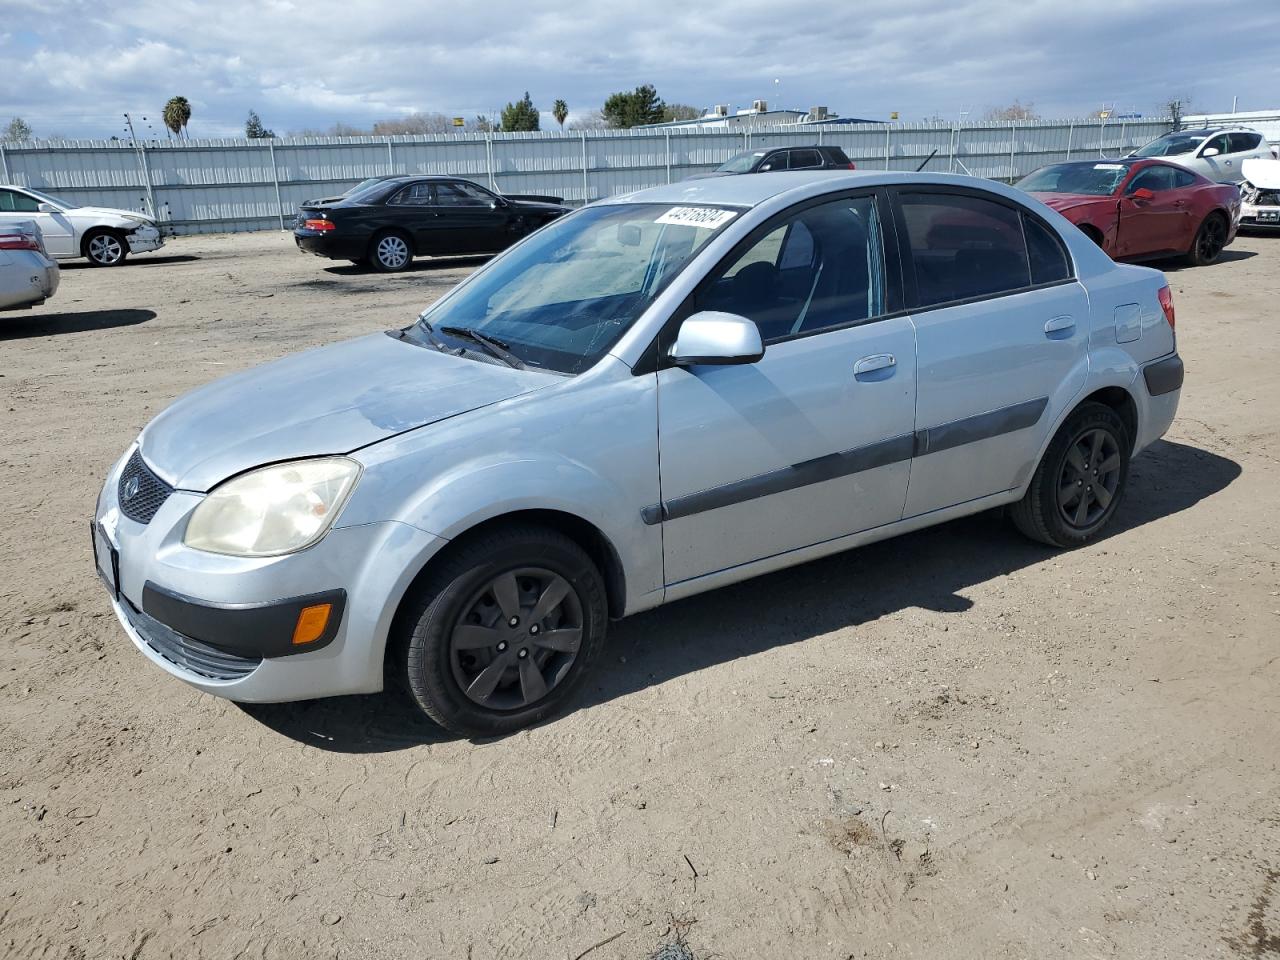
(395, 220)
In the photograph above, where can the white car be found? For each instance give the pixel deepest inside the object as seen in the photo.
(103, 235)
(1260, 194)
(1215, 152)
(27, 277)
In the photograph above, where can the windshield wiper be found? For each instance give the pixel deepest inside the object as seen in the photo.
(492, 346)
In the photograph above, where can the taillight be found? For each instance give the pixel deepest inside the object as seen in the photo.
(1166, 304)
(319, 225)
(19, 241)
(852, 165)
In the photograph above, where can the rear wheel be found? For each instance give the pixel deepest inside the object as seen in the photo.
(501, 634)
(105, 248)
(390, 252)
(1210, 240)
(1080, 481)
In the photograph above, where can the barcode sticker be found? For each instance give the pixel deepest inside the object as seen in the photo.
(708, 218)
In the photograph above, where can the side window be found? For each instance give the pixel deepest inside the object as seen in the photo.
(11, 201)
(774, 162)
(457, 194)
(1048, 257)
(805, 159)
(1219, 143)
(964, 247)
(414, 195)
(1154, 179)
(1183, 178)
(1244, 142)
(821, 268)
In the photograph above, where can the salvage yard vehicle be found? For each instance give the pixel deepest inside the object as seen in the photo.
(1217, 153)
(656, 395)
(102, 235)
(1141, 209)
(395, 220)
(27, 276)
(814, 157)
(1260, 194)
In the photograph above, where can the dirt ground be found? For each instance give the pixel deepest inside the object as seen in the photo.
(954, 744)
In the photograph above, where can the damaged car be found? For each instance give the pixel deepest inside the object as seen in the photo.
(1260, 194)
(104, 236)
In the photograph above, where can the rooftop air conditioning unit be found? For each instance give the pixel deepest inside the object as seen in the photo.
(759, 106)
(721, 110)
(817, 113)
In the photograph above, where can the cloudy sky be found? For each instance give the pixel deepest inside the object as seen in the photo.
(72, 67)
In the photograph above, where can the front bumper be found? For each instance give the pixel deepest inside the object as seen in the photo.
(224, 624)
(144, 239)
(1252, 215)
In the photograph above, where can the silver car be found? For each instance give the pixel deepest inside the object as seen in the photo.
(656, 395)
(27, 276)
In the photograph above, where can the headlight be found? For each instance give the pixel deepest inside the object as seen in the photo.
(273, 510)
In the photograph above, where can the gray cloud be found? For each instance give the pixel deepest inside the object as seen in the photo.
(73, 67)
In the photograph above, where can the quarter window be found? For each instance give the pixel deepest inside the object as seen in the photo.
(821, 268)
(964, 247)
(1048, 258)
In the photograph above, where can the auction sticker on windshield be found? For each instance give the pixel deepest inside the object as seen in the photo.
(1108, 166)
(707, 217)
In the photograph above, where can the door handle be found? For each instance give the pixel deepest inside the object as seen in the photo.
(881, 362)
(1061, 326)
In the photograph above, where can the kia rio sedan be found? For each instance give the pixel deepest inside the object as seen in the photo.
(656, 395)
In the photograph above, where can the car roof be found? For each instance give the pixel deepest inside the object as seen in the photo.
(754, 189)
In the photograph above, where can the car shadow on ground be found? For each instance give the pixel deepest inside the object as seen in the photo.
(419, 265)
(930, 569)
(1177, 265)
(54, 324)
(134, 262)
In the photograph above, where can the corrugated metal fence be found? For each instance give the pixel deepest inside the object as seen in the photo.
(206, 186)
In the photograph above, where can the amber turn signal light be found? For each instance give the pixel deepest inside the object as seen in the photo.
(311, 623)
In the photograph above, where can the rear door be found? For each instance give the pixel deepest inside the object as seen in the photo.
(813, 441)
(1001, 338)
(56, 228)
(805, 159)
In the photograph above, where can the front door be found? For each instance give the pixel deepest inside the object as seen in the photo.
(56, 228)
(469, 220)
(1002, 335)
(1158, 225)
(813, 441)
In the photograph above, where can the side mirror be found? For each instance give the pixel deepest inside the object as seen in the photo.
(1142, 193)
(46, 208)
(765, 168)
(1210, 152)
(717, 338)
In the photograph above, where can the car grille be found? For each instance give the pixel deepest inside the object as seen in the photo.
(140, 492)
(186, 653)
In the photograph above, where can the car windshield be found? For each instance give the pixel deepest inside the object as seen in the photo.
(1091, 179)
(1171, 145)
(742, 163)
(60, 204)
(561, 298)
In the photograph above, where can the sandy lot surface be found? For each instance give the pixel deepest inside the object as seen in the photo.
(955, 744)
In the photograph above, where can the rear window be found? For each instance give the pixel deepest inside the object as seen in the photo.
(1243, 142)
(805, 159)
(964, 247)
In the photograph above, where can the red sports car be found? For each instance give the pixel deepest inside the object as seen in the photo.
(1141, 209)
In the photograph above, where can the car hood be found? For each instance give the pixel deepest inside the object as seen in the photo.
(1062, 202)
(330, 400)
(1262, 173)
(105, 213)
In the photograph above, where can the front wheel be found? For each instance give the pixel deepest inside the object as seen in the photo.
(501, 634)
(1080, 481)
(1210, 240)
(390, 252)
(105, 248)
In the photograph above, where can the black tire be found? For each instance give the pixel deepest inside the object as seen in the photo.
(104, 248)
(390, 251)
(459, 603)
(1065, 506)
(1210, 241)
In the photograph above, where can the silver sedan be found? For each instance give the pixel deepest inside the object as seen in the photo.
(657, 395)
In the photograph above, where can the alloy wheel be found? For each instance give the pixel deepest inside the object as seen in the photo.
(1212, 238)
(1089, 479)
(517, 638)
(393, 252)
(105, 249)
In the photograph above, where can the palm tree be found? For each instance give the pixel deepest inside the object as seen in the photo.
(177, 113)
(560, 110)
